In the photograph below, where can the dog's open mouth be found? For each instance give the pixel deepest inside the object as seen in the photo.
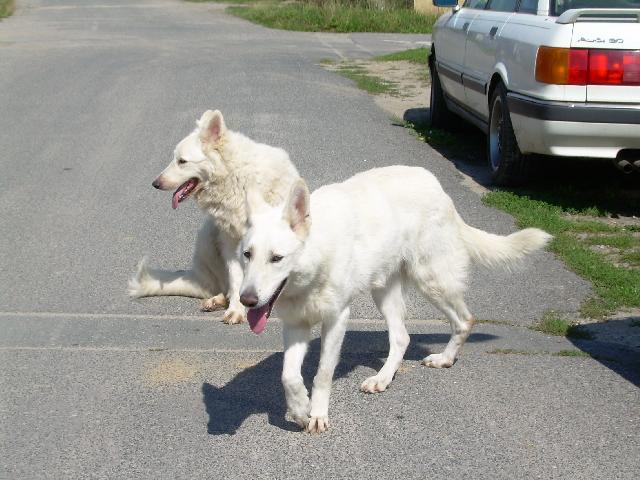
(183, 192)
(258, 316)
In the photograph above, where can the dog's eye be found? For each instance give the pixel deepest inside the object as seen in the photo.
(181, 161)
(247, 254)
(276, 258)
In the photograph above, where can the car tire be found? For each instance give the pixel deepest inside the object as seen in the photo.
(508, 165)
(439, 114)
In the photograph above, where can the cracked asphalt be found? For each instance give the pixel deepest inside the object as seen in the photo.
(94, 95)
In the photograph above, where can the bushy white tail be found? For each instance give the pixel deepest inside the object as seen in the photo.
(149, 282)
(497, 250)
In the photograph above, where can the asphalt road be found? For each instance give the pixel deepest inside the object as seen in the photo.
(93, 97)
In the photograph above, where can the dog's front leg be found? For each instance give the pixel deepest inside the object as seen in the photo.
(296, 340)
(332, 336)
(236, 312)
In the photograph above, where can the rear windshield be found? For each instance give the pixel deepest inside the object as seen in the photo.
(560, 6)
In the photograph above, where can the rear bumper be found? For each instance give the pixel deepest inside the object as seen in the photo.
(574, 130)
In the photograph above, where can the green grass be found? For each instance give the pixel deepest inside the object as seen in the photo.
(509, 351)
(370, 83)
(332, 17)
(616, 241)
(7, 7)
(632, 258)
(571, 353)
(553, 324)
(241, 2)
(415, 55)
(582, 196)
(561, 353)
(432, 136)
(615, 287)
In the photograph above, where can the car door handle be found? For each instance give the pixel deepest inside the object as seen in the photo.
(493, 31)
(465, 27)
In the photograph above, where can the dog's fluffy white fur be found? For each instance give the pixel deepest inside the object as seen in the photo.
(221, 165)
(375, 232)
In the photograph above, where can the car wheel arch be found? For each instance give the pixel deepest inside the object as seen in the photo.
(432, 56)
(495, 79)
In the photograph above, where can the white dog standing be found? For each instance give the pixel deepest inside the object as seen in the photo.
(374, 232)
(215, 166)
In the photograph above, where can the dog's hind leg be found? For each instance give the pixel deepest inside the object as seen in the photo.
(461, 321)
(149, 282)
(442, 278)
(451, 303)
(390, 302)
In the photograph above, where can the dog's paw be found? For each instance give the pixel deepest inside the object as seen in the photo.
(214, 303)
(298, 404)
(318, 424)
(438, 360)
(302, 420)
(375, 384)
(233, 317)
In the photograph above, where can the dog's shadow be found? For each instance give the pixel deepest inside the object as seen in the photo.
(258, 390)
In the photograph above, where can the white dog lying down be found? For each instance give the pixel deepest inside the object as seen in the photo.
(215, 166)
(376, 231)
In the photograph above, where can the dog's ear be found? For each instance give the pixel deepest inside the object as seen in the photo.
(212, 127)
(296, 211)
(253, 202)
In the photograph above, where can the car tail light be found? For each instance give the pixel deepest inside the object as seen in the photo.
(562, 66)
(580, 66)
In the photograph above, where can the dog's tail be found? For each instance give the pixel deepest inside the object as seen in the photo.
(497, 250)
(149, 282)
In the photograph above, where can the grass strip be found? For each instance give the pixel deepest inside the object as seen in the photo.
(553, 324)
(561, 353)
(615, 287)
(572, 353)
(335, 18)
(365, 81)
(7, 7)
(414, 55)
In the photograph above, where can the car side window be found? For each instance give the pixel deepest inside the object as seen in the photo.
(479, 4)
(528, 6)
(503, 5)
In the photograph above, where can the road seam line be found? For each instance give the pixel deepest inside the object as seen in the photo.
(148, 349)
(134, 316)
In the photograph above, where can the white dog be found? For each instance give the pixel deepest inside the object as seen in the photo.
(215, 166)
(374, 232)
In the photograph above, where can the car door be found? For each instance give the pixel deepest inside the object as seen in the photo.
(450, 48)
(480, 53)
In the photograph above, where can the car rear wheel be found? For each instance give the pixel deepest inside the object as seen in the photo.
(508, 165)
(439, 114)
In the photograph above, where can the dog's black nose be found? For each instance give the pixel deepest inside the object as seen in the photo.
(249, 299)
(156, 184)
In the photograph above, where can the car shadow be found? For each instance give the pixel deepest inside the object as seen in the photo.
(257, 389)
(573, 183)
(615, 344)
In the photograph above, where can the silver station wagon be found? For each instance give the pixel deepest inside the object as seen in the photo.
(551, 77)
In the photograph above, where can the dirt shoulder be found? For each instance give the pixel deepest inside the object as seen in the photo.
(409, 83)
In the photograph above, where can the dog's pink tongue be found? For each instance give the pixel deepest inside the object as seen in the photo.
(177, 195)
(176, 199)
(258, 319)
